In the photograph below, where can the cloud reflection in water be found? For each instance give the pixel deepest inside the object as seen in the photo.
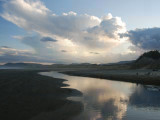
(102, 99)
(113, 100)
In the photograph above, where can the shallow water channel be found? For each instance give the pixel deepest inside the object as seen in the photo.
(113, 100)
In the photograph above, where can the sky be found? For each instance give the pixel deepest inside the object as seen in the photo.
(72, 31)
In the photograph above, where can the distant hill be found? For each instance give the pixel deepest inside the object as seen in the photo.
(23, 65)
(120, 63)
(149, 59)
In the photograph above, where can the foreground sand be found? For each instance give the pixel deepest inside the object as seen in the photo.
(148, 77)
(26, 95)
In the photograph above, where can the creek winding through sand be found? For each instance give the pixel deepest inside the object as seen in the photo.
(111, 100)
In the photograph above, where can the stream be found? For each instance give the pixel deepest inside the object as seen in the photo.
(113, 100)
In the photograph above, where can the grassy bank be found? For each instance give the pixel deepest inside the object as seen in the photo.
(26, 95)
(147, 77)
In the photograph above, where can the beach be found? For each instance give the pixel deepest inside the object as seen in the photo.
(27, 95)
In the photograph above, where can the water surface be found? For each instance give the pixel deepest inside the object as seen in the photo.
(113, 100)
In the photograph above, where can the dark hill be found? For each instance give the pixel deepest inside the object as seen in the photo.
(155, 55)
(24, 65)
(149, 59)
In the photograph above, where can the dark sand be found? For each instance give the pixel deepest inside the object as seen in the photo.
(147, 77)
(26, 95)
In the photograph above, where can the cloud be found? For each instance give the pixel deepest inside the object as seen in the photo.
(146, 39)
(109, 26)
(34, 16)
(94, 53)
(8, 54)
(8, 51)
(48, 39)
(63, 51)
(41, 48)
(5, 58)
(50, 51)
(5, 47)
(77, 34)
(12, 51)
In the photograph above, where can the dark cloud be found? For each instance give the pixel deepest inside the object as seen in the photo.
(5, 47)
(94, 53)
(63, 51)
(48, 39)
(147, 39)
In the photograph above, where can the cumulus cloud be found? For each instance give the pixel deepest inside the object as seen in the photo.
(146, 39)
(110, 27)
(77, 34)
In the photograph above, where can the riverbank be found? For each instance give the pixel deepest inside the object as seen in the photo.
(26, 95)
(147, 77)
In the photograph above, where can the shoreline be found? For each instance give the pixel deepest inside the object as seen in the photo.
(27, 95)
(120, 75)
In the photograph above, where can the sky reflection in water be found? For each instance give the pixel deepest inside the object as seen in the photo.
(112, 100)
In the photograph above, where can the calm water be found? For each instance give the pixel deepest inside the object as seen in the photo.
(112, 100)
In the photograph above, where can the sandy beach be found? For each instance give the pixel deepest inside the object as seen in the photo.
(26, 95)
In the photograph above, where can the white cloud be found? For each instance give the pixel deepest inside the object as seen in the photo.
(79, 35)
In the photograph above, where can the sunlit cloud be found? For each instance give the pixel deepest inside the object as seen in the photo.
(86, 38)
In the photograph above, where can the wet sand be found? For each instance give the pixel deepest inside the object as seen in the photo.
(147, 77)
(26, 95)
